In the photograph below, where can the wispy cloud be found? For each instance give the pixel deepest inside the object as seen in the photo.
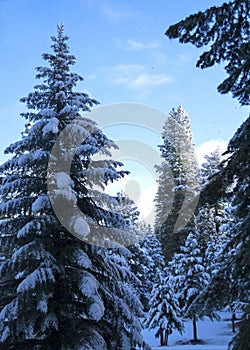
(115, 13)
(136, 45)
(136, 77)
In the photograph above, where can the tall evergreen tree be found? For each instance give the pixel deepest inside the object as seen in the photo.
(178, 182)
(227, 29)
(209, 218)
(58, 292)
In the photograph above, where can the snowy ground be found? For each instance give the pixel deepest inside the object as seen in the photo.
(215, 335)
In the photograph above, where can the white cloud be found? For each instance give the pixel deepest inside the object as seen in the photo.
(136, 45)
(146, 204)
(144, 199)
(135, 77)
(209, 146)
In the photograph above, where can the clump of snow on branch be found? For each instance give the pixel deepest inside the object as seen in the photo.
(80, 227)
(40, 203)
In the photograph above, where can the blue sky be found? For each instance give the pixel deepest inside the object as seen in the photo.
(123, 55)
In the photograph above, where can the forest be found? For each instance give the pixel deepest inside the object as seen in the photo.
(79, 268)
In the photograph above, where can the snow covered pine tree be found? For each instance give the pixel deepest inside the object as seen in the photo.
(178, 182)
(58, 292)
(228, 42)
(209, 218)
(164, 313)
(147, 262)
(189, 278)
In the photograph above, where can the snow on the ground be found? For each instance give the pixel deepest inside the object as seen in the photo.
(216, 335)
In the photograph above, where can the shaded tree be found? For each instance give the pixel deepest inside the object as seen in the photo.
(226, 29)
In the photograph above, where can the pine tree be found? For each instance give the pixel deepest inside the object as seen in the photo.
(178, 182)
(189, 278)
(148, 263)
(211, 166)
(231, 282)
(59, 292)
(147, 259)
(210, 218)
(227, 29)
(164, 312)
(153, 250)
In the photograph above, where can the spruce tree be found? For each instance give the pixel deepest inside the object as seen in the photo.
(211, 166)
(227, 29)
(178, 182)
(148, 263)
(146, 259)
(164, 311)
(59, 292)
(189, 278)
(210, 218)
(153, 249)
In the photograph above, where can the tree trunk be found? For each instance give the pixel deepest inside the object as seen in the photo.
(233, 321)
(166, 337)
(194, 329)
(163, 337)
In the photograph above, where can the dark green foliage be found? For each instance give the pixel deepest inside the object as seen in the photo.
(226, 29)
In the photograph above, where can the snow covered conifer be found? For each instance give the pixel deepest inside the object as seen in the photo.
(211, 28)
(210, 218)
(58, 292)
(211, 166)
(153, 250)
(189, 277)
(148, 262)
(146, 254)
(164, 311)
(178, 182)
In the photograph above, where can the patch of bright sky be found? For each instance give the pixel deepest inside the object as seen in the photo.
(123, 55)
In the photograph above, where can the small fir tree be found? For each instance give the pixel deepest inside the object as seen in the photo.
(164, 311)
(189, 278)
